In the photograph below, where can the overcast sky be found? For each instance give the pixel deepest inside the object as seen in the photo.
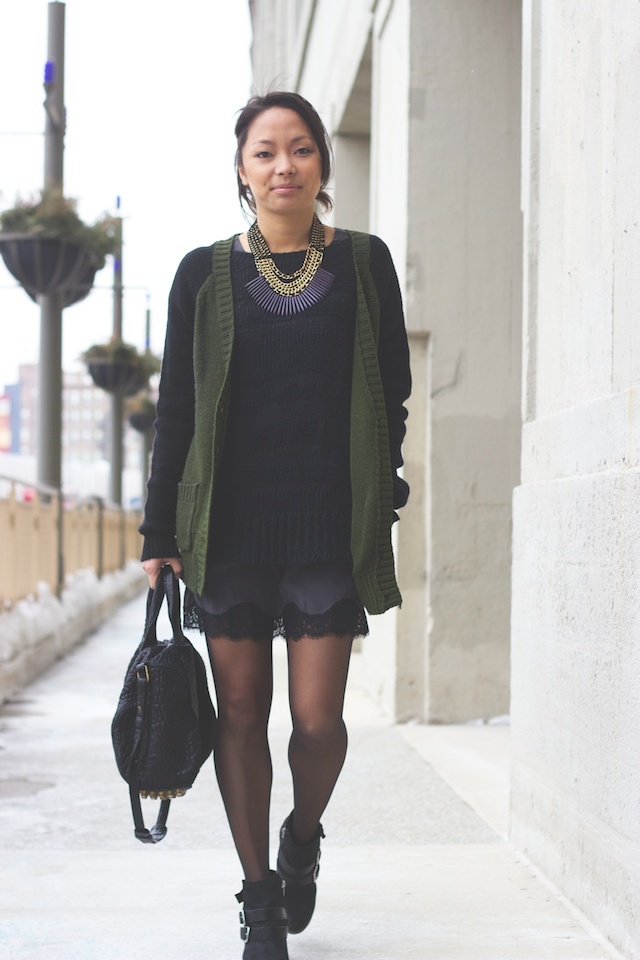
(151, 91)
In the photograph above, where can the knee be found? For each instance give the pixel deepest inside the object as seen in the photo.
(318, 728)
(243, 713)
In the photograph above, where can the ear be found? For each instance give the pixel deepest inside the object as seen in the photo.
(243, 176)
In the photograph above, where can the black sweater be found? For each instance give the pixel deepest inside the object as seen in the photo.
(283, 495)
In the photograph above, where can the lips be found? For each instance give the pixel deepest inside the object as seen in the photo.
(286, 188)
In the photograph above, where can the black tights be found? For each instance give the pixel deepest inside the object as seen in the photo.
(243, 676)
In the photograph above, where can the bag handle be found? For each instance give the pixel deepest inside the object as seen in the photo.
(159, 829)
(166, 586)
(172, 593)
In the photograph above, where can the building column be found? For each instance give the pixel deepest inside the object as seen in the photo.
(463, 303)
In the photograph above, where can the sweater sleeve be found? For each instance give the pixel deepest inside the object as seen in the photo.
(393, 359)
(174, 424)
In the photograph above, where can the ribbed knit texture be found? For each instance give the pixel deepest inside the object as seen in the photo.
(371, 475)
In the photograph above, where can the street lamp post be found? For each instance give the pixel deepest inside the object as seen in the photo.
(147, 437)
(115, 478)
(50, 375)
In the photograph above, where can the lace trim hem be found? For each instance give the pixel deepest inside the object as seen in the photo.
(248, 621)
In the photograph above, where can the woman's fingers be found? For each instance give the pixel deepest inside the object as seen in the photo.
(176, 565)
(153, 568)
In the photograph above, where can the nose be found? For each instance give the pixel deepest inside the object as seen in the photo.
(285, 164)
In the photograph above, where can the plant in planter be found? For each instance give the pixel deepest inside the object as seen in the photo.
(48, 248)
(119, 367)
(142, 412)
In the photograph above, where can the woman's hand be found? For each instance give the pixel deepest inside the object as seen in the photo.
(153, 567)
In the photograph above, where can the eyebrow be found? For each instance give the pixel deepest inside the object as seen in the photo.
(304, 136)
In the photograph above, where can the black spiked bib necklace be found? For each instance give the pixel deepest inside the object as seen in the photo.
(287, 293)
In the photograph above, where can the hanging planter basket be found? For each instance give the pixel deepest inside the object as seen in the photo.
(119, 367)
(117, 376)
(49, 266)
(48, 249)
(142, 413)
(142, 422)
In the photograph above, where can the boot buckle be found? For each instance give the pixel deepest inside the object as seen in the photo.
(245, 929)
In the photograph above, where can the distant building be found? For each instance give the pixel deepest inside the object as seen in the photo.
(5, 423)
(85, 419)
(12, 392)
(26, 439)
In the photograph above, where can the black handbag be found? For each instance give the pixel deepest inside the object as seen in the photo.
(164, 725)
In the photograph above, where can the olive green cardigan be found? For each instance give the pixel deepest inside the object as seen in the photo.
(371, 473)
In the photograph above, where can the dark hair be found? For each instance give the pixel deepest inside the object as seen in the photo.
(290, 101)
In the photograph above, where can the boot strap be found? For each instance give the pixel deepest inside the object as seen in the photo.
(298, 876)
(260, 914)
(276, 918)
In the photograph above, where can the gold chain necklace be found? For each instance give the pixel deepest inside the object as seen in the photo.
(287, 284)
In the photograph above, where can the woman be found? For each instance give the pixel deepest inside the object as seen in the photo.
(273, 484)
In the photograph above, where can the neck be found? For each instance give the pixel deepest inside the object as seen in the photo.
(285, 234)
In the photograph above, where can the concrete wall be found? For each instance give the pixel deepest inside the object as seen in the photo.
(464, 289)
(400, 695)
(576, 573)
(277, 32)
(350, 187)
(432, 89)
(450, 214)
(42, 629)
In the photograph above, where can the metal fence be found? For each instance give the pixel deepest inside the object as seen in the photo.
(45, 535)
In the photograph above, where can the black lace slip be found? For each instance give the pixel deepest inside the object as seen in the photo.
(344, 618)
(249, 621)
(242, 621)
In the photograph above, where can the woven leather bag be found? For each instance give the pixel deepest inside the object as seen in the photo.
(164, 725)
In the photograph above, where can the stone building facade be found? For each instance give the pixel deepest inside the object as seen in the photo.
(494, 145)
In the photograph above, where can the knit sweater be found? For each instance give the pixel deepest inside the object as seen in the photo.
(283, 494)
(196, 391)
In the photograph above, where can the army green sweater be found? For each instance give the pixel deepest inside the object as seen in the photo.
(194, 405)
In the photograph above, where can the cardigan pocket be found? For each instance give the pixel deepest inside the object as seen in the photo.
(185, 515)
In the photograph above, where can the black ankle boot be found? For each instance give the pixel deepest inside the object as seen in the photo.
(299, 866)
(264, 919)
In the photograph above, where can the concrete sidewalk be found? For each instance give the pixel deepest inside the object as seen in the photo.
(415, 865)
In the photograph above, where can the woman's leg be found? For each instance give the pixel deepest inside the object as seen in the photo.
(243, 677)
(318, 668)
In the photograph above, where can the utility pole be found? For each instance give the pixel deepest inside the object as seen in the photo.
(147, 436)
(115, 484)
(50, 370)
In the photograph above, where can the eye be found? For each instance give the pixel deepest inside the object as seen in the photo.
(263, 154)
(304, 150)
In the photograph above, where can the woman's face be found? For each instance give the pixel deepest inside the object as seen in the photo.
(281, 163)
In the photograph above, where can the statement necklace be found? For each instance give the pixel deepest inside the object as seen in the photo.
(287, 293)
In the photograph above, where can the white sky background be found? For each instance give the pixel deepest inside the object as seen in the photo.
(151, 91)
